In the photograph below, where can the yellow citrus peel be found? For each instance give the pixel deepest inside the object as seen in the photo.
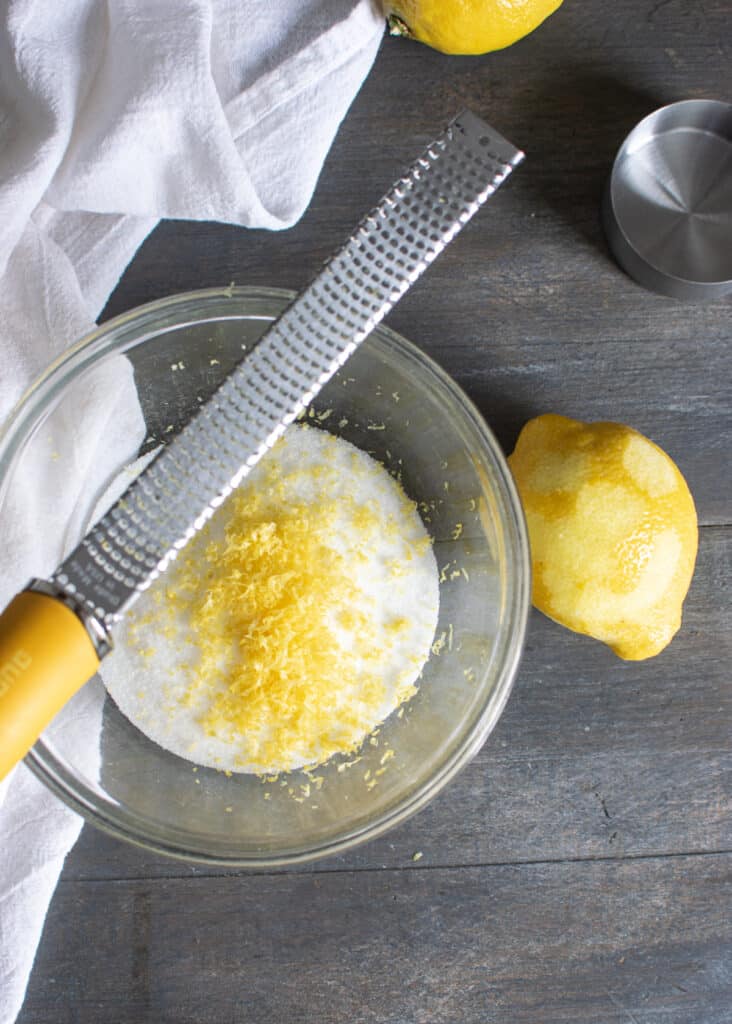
(266, 629)
(467, 26)
(613, 531)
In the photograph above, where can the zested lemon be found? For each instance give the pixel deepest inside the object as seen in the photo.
(612, 528)
(467, 26)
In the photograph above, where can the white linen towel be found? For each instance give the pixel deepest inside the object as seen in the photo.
(113, 114)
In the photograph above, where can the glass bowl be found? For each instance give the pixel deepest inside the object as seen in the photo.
(390, 400)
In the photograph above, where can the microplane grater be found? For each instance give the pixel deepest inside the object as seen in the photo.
(193, 474)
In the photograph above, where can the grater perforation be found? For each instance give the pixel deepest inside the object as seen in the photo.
(277, 380)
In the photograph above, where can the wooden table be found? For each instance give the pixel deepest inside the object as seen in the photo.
(579, 869)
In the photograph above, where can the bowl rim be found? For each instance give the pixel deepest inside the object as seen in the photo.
(104, 339)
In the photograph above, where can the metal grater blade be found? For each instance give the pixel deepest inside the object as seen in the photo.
(172, 499)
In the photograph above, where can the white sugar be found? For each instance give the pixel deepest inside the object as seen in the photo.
(394, 577)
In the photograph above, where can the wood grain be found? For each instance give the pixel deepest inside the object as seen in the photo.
(579, 869)
(485, 945)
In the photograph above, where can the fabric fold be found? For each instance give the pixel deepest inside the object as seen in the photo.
(114, 114)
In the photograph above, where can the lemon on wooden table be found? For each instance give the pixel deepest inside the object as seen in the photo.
(612, 528)
(467, 26)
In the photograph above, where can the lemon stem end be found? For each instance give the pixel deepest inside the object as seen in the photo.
(398, 27)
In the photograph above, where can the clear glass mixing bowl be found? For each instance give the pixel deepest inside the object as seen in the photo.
(394, 402)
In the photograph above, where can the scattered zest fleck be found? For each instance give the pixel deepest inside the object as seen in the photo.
(439, 644)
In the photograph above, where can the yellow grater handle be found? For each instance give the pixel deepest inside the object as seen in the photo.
(46, 655)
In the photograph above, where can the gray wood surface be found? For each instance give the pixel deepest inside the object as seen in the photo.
(579, 869)
(519, 943)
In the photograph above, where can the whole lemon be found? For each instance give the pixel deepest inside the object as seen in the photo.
(467, 26)
(612, 528)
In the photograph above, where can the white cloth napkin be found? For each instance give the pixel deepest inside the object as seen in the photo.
(113, 114)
